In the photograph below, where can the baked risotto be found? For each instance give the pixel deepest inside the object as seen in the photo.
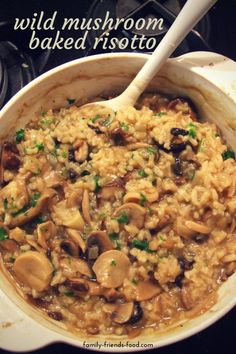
(118, 222)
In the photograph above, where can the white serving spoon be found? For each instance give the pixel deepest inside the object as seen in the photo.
(189, 16)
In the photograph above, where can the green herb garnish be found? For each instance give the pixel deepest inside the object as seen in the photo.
(151, 150)
(114, 236)
(142, 245)
(113, 262)
(94, 119)
(118, 245)
(192, 129)
(69, 293)
(124, 126)
(106, 122)
(12, 259)
(134, 281)
(160, 114)
(5, 204)
(47, 122)
(71, 100)
(97, 183)
(20, 136)
(142, 173)
(3, 234)
(143, 199)
(228, 154)
(35, 198)
(21, 211)
(123, 218)
(40, 147)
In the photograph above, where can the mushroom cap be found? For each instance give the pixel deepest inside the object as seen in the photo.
(101, 240)
(111, 268)
(147, 290)
(70, 217)
(123, 312)
(34, 270)
(135, 212)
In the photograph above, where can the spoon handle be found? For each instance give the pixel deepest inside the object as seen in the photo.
(189, 16)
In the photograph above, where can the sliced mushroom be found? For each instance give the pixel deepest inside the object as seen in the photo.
(118, 135)
(52, 179)
(182, 230)
(71, 266)
(123, 312)
(81, 150)
(70, 248)
(30, 213)
(9, 158)
(76, 238)
(77, 285)
(111, 268)
(34, 244)
(109, 191)
(135, 212)
(132, 197)
(147, 290)
(85, 207)
(70, 217)
(46, 231)
(17, 234)
(97, 243)
(75, 199)
(33, 269)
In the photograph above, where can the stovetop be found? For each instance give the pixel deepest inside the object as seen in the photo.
(19, 65)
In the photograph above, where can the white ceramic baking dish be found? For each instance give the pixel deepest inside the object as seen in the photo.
(208, 79)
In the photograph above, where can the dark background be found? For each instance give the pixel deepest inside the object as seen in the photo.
(219, 338)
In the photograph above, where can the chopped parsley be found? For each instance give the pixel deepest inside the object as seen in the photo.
(142, 245)
(142, 173)
(118, 245)
(69, 293)
(160, 114)
(97, 183)
(3, 234)
(21, 211)
(134, 281)
(43, 114)
(151, 150)
(113, 262)
(71, 100)
(123, 218)
(114, 236)
(35, 198)
(192, 129)
(39, 219)
(47, 122)
(162, 238)
(94, 119)
(40, 146)
(143, 199)
(12, 259)
(228, 154)
(106, 122)
(5, 204)
(20, 136)
(124, 126)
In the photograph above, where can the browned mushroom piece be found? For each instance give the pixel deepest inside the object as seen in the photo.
(9, 158)
(46, 231)
(136, 213)
(109, 191)
(80, 286)
(70, 248)
(111, 268)
(71, 266)
(97, 243)
(184, 105)
(119, 136)
(123, 312)
(76, 237)
(147, 290)
(85, 207)
(52, 179)
(29, 213)
(33, 269)
(15, 194)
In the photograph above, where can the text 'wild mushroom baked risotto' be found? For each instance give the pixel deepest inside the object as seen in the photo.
(119, 222)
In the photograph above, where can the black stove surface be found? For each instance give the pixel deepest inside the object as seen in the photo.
(19, 65)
